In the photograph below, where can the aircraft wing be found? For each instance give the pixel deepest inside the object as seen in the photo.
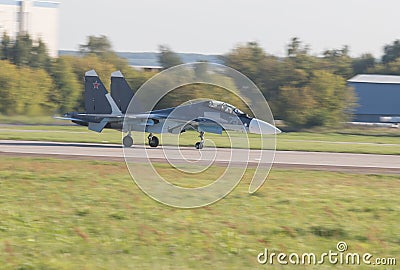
(157, 123)
(128, 116)
(160, 123)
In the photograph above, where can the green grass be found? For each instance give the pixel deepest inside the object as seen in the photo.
(373, 141)
(90, 215)
(337, 142)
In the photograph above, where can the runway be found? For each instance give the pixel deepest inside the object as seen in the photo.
(345, 162)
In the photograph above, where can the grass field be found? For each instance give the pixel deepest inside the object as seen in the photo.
(372, 141)
(90, 215)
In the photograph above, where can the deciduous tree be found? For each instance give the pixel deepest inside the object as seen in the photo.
(167, 57)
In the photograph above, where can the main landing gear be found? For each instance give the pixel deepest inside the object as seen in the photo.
(127, 140)
(153, 140)
(200, 144)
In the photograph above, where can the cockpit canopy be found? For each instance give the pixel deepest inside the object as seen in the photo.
(224, 107)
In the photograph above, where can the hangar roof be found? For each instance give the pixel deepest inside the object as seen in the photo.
(374, 78)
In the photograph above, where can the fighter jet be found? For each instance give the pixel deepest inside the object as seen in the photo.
(103, 110)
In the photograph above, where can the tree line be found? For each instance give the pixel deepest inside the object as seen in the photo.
(32, 83)
(302, 89)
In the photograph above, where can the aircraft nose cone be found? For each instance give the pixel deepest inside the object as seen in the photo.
(260, 127)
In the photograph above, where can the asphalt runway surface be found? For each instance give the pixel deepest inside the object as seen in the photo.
(343, 162)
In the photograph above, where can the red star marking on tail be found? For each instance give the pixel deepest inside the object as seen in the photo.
(96, 85)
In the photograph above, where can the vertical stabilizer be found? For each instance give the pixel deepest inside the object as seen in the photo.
(120, 91)
(96, 101)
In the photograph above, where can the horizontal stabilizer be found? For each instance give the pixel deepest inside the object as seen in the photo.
(68, 118)
(98, 127)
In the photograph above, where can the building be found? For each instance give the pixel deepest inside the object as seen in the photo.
(37, 18)
(378, 97)
(147, 68)
(149, 61)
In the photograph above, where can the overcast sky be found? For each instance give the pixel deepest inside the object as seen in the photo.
(217, 26)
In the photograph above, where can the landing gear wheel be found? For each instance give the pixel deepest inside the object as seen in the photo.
(153, 141)
(199, 145)
(127, 141)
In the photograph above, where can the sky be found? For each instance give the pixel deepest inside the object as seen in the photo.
(218, 26)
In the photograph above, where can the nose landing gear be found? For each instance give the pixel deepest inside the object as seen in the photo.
(153, 140)
(200, 144)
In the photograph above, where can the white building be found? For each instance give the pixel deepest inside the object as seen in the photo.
(37, 18)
